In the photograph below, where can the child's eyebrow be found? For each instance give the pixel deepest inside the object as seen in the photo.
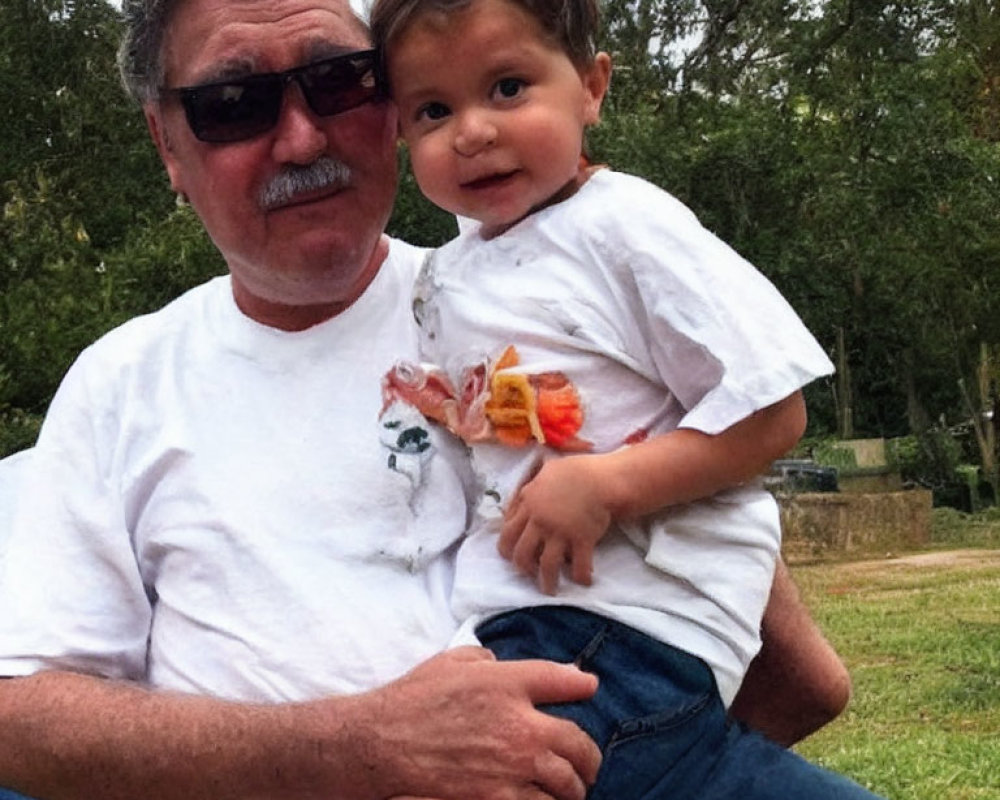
(415, 92)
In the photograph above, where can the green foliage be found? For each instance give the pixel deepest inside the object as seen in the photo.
(414, 218)
(66, 292)
(54, 295)
(843, 149)
(18, 431)
(67, 118)
(829, 454)
(934, 460)
(158, 262)
(951, 527)
(81, 183)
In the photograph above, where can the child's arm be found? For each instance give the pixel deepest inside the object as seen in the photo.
(797, 683)
(564, 510)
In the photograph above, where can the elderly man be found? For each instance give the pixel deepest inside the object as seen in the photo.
(210, 572)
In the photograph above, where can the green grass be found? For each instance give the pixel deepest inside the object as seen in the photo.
(923, 646)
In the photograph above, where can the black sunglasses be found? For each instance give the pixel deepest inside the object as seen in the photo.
(231, 111)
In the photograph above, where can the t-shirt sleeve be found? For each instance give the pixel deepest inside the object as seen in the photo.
(70, 589)
(721, 337)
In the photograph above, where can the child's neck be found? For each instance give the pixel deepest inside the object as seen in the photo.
(567, 190)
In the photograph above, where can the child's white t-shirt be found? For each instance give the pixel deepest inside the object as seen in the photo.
(658, 325)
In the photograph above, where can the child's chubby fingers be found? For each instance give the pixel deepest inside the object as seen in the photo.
(510, 533)
(528, 550)
(550, 564)
(582, 564)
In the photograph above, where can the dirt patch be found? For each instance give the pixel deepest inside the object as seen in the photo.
(909, 572)
(958, 559)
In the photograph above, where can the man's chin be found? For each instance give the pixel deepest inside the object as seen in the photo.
(298, 301)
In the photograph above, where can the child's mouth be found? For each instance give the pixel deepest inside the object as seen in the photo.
(489, 181)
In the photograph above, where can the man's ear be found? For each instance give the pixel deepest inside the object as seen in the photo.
(157, 130)
(596, 79)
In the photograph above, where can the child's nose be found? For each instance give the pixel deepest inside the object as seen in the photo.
(475, 132)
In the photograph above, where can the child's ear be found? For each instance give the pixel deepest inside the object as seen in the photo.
(596, 79)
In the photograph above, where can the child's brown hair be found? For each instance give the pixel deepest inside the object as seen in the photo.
(571, 24)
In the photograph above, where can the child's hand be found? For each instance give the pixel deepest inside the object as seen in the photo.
(558, 516)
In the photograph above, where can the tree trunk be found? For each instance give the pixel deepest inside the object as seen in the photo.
(843, 396)
(984, 415)
(986, 432)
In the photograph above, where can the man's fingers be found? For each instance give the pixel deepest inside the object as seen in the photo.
(561, 778)
(500, 745)
(469, 652)
(575, 761)
(549, 682)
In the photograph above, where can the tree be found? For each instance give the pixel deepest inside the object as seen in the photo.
(79, 177)
(839, 145)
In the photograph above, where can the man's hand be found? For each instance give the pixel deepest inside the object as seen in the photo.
(460, 726)
(463, 725)
(557, 516)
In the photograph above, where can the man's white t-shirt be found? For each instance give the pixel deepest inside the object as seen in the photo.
(211, 507)
(658, 325)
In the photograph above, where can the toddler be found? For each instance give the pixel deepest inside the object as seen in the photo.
(621, 375)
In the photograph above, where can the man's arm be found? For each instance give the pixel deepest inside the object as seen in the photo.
(797, 683)
(460, 725)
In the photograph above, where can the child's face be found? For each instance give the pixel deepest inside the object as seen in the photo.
(492, 111)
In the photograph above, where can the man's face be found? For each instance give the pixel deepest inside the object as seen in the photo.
(316, 247)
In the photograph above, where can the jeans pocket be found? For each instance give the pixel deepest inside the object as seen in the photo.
(664, 754)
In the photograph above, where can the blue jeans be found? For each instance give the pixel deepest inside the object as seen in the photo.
(7, 794)
(657, 716)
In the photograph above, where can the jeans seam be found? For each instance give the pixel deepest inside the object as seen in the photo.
(657, 723)
(590, 650)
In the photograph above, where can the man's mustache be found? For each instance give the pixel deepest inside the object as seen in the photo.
(292, 180)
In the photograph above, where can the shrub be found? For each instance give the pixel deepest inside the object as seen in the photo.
(18, 430)
(932, 460)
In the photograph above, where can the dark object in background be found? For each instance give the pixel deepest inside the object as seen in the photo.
(800, 475)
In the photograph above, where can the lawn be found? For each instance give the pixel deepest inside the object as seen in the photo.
(921, 636)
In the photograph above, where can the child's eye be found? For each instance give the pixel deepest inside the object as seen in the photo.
(507, 88)
(433, 111)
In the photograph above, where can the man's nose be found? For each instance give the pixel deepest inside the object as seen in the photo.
(299, 136)
(476, 131)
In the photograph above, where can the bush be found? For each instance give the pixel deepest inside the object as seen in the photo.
(932, 460)
(828, 453)
(18, 431)
(953, 528)
(68, 293)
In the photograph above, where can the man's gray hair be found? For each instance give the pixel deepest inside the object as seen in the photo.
(140, 54)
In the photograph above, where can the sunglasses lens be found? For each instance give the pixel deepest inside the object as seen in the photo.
(241, 109)
(230, 112)
(339, 84)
